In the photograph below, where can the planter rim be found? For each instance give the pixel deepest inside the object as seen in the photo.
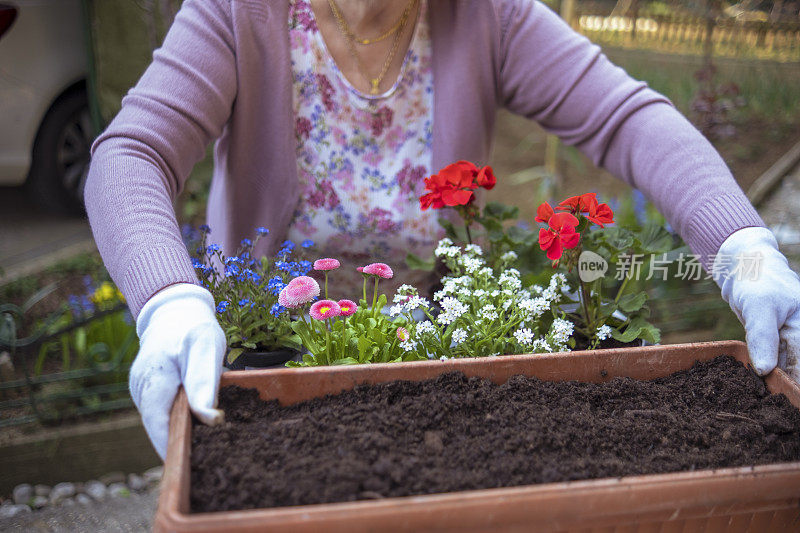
(658, 497)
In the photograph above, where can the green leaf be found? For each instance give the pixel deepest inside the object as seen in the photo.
(414, 262)
(520, 235)
(655, 239)
(501, 211)
(234, 354)
(345, 361)
(363, 348)
(250, 345)
(639, 328)
(632, 302)
(617, 238)
(449, 229)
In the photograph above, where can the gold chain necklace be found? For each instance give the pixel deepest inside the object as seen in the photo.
(374, 82)
(343, 23)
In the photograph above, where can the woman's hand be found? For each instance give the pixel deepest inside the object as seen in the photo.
(764, 292)
(180, 343)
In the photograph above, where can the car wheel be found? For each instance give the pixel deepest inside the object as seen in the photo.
(61, 155)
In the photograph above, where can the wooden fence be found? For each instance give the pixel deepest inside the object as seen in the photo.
(686, 34)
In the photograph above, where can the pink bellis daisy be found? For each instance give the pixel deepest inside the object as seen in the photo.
(382, 270)
(325, 309)
(347, 307)
(402, 334)
(300, 291)
(326, 263)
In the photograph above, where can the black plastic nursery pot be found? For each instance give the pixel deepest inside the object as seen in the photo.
(259, 360)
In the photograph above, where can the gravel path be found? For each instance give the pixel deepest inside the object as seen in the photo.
(132, 513)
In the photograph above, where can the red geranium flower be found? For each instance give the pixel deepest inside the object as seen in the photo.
(559, 235)
(543, 213)
(579, 204)
(601, 214)
(485, 178)
(452, 186)
(455, 184)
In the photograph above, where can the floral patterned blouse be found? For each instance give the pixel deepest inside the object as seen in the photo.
(361, 158)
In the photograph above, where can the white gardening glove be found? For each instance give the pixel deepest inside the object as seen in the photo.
(180, 343)
(765, 298)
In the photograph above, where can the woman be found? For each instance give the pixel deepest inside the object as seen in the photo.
(327, 114)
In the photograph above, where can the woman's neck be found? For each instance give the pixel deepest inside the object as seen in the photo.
(369, 17)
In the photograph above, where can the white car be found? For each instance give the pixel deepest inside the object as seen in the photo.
(45, 125)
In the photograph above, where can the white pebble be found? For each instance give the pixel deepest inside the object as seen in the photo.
(95, 489)
(23, 493)
(8, 511)
(119, 490)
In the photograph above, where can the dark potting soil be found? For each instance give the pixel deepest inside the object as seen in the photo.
(456, 433)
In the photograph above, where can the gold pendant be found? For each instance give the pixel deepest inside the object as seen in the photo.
(374, 89)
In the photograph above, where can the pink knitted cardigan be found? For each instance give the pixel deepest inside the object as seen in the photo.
(223, 73)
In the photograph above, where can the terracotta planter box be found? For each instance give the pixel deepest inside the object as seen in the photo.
(760, 498)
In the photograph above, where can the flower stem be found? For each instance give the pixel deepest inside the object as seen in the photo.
(327, 342)
(374, 296)
(469, 235)
(624, 284)
(364, 290)
(326, 284)
(584, 303)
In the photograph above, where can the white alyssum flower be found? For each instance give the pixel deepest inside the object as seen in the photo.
(415, 302)
(495, 293)
(459, 336)
(485, 272)
(395, 310)
(425, 327)
(508, 257)
(406, 289)
(603, 332)
(550, 294)
(478, 293)
(541, 344)
(451, 310)
(561, 331)
(445, 248)
(443, 358)
(472, 264)
(507, 304)
(524, 336)
(558, 279)
(536, 289)
(408, 345)
(509, 279)
(473, 248)
(488, 313)
(535, 306)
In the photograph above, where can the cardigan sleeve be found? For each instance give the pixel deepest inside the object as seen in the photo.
(141, 161)
(551, 74)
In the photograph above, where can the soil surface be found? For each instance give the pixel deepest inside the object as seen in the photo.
(456, 433)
